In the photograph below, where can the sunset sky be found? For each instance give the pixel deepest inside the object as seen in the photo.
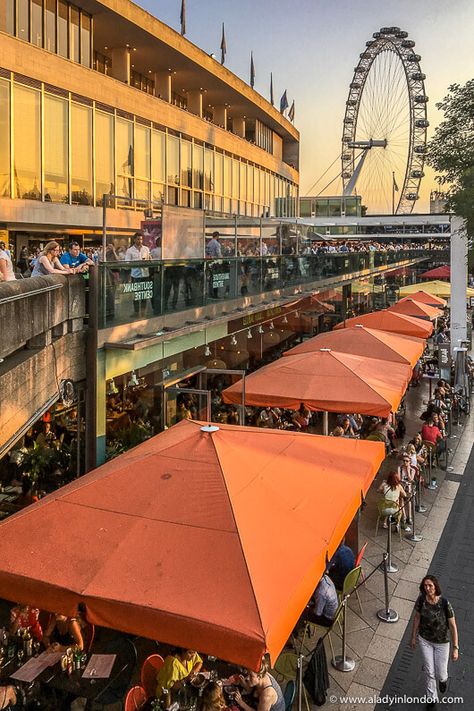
(312, 47)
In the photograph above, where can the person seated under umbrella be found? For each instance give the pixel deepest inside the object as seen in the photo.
(181, 665)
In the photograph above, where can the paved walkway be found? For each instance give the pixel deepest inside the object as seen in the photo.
(384, 662)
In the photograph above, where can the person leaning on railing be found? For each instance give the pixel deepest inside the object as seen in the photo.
(48, 262)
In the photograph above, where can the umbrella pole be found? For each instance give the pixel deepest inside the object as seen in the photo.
(300, 682)
(325, 423)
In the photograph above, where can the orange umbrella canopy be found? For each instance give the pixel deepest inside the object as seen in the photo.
(326, 380)
(390, 321)
(425, 298)
(367, 342)
(212, 540)
(410, 307)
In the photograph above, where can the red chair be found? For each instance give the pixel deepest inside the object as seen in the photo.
(358, 560)
(151, 667)
(135, 699)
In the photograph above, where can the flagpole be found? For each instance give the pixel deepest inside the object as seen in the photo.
(393, 192)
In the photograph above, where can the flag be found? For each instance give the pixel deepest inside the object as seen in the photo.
(223, 45)
(183, 17)
(271, 89)
(395, 186)
(252, 71)
(291, 112)
(283, 102)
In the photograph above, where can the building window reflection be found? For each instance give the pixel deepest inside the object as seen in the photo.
(27, 143)
(81, 154)
(55, 149)
(4, 139)
(124, 157)
(54, 25)
(104, 155)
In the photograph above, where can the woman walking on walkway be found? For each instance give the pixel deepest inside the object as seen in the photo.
(434, 618)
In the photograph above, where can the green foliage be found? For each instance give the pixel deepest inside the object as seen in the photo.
(451, 151)
(127, 438)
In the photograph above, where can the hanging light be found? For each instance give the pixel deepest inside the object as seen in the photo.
(233, 340)
(133, 382)
(271, 326)
(249, 333)
(111, 387)
(260, 329)
(284, 319)
(296, 314)
(207, 351)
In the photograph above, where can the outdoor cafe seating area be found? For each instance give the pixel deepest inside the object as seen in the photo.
(165, 550)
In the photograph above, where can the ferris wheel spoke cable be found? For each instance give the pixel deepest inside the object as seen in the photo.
(326, 171)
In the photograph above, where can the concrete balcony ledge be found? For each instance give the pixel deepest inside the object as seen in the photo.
(35, 310)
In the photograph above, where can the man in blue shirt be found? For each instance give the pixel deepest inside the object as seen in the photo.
(341, 563)
(325, 602)
(75, 259)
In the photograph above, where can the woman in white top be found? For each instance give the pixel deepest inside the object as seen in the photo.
(6, 266)
(393, 495)
(48, 262)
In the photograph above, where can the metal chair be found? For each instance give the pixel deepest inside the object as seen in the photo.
(350, 585)
(150, 667)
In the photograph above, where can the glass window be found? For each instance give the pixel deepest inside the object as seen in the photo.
(173, 161)
(219, 174)
(50, 25)
(10, 17)
(27, 143)
(62, 28)
(256, 185)
(158, 192)
(142, 190)
(74, 53)
(104, 156)
(227, 177)
(186, 164)
(23, 9)
(235, 179)
(37, 22)
(198, 167)
(250, 173)
(142, 152)
(158, 156)
(85, 39)
(81, 154)
(209, 169)
(124, 156)
(4, 138)
(243, 182)
(55, 134)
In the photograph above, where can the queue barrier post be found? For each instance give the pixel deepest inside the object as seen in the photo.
(391, 567)
(342, 662)
(386, 614)
(414, 537)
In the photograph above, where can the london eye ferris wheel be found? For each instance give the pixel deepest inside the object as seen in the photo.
(385, 125)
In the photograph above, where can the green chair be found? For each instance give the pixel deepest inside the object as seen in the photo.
(311, 628)
(387, 508)
(351, 581)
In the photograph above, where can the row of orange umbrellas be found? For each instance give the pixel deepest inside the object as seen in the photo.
(363, 366)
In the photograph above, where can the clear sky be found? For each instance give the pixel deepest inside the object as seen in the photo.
(312, 47)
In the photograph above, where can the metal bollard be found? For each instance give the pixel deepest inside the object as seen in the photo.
(341, 662)
(432, 485)
(391, 567)
(387, 614)
(414, 537)
(420, 507)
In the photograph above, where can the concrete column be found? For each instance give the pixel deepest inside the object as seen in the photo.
(121, 64)
(458, 282)
(220, 116)
(163, 85)
(195, 102)
(238, 126)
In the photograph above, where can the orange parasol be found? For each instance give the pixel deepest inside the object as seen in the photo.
(410, 307)
(211, 538)
(425, 298)
(326, 380)
(368, 342)
(390, 321)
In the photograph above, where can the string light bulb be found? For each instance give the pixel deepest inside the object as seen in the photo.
(233, 340)
(249, 333)
(207, 351)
